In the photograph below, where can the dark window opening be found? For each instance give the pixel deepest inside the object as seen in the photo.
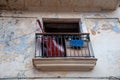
(61, 25)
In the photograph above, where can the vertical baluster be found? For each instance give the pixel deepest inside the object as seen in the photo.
(50, 47)
(56, 48)
(73, 46)
(47, 42)
(58, 42)
(85, 45)
(81, 38)
(67, 46)
(63, 42)
(54, 51)
(84, 48)
(77, 48)
(43, 53)
(70, 38)
(61, 38)
(88, 49)
(39, 45)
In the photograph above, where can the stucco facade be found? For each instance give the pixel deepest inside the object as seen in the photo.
(59, 5)
(17, 43)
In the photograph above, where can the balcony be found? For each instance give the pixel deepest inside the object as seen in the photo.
(63, 51)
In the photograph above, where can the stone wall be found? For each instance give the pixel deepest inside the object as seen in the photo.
(59, 5)
(17, 44)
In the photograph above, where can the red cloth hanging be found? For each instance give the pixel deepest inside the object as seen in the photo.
(50, 46)
(53, 49)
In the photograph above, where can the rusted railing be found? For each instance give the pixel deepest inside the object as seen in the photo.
(63, 45)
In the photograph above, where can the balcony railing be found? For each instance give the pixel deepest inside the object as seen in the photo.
(52, 45)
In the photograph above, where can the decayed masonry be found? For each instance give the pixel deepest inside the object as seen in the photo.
(18, 29)
(59, 5)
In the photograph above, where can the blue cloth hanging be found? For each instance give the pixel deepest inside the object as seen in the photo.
(76, 43)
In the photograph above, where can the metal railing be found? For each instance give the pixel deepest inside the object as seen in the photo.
(63, 45)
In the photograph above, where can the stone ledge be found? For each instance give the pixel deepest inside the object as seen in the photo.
(62, 64)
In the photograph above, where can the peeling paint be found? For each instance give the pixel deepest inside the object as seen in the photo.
(116, 29)
(96, 27)
(16, 46)
(104, 25)
(20, 48)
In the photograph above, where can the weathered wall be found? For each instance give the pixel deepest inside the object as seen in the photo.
(16, 46)
(59, 5)
(17, 42)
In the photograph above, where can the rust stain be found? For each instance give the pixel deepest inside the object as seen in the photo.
(93, 32)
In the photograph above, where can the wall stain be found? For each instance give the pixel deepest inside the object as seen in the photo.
(104, 25)
(95, 28)
(21, 73)
(15, 43)
(18, 48)
(116, 29)
(93, 32)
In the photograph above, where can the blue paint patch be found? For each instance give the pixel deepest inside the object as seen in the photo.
(22, 47)
(2, 41)
(116, 29)
(95, 28)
